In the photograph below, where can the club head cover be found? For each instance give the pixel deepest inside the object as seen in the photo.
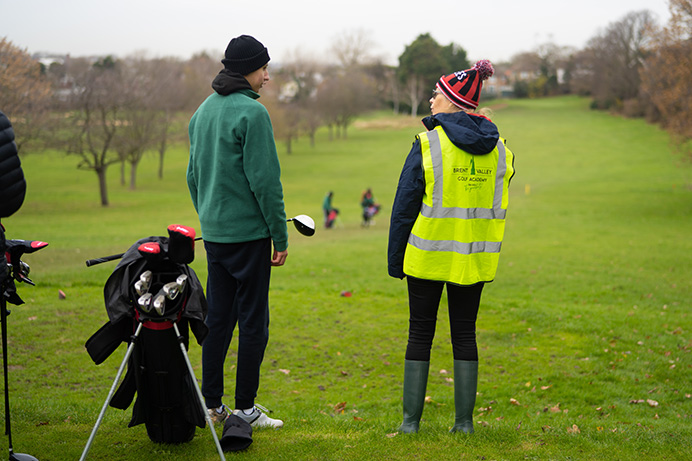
(237, 434)
(151, 251)
(181, 244)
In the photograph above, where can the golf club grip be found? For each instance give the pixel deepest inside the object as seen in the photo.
(92, 262)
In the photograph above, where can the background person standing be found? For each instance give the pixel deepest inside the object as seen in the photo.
(447, 226)
(234, 180)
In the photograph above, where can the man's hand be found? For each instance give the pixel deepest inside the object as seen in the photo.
(279, 258)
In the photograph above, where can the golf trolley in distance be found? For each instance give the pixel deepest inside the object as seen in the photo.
(17, 270)
(152, 298)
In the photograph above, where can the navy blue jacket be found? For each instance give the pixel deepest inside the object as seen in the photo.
(12, 183)
(474, 134)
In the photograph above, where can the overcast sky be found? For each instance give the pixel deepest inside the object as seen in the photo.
(495, 30)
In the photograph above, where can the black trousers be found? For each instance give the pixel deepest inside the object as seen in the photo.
(424, 301)
(237, 293)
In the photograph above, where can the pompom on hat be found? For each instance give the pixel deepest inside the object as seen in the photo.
(244, 55)
(463, 88)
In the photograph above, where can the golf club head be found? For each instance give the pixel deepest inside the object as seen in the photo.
(21, 457)
(304, 224)
(159, 303)
(172, 290)
(144, 302)
(145, 277)
(141, 287)
(181, 281)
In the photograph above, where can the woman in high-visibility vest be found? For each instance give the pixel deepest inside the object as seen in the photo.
(446, 228)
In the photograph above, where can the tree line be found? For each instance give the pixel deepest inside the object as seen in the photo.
(108, 111)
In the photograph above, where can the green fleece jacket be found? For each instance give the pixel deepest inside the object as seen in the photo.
(233, 173)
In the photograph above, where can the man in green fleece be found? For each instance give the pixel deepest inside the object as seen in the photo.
(234, 180)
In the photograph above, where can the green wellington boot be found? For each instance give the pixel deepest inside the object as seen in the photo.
(465, 384)
(415, 382)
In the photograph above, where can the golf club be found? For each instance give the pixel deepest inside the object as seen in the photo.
(304, 224)
(159, 303)
(172, 290)
(181, 281)
(145, 277)
(140, 287)
(144, 302)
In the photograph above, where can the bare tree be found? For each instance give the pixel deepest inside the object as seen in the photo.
(295, 85)
(95, 106)
(25, 94)
(617, 56)
(198, 73)
(667, 74)
(352, 48)
(344, 95)
(155, 93)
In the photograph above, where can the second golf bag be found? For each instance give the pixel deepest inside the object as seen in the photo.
(151, 289)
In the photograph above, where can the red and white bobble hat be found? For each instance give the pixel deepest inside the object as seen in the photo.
(463, 88)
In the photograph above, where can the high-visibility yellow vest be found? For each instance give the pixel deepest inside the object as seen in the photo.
(458, 233)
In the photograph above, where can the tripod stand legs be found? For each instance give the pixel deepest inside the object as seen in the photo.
(112, 391)
(210, 423)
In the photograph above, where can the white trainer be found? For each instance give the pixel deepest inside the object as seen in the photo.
(257, 418)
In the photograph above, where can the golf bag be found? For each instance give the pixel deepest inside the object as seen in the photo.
(151, 290)
(330, 218)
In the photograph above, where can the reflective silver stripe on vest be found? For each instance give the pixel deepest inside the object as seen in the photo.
(439, 211)
(464, 248)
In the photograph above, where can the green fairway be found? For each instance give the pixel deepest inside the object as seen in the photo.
(584, 337)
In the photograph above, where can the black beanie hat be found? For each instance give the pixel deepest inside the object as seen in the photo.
(245, 55)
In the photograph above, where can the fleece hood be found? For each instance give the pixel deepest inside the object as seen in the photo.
(472, 133)
(227, 82)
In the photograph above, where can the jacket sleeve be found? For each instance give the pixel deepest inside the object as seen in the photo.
(407, 203)
(191, 180)
(263, 172)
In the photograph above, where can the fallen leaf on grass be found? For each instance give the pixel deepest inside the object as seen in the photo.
(555, 409)
(514, 402)
(284, 371)
(339, 407)
(392, 434)
(652, 403)
(573, 430)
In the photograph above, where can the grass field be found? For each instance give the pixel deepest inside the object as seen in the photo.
(584, 337)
